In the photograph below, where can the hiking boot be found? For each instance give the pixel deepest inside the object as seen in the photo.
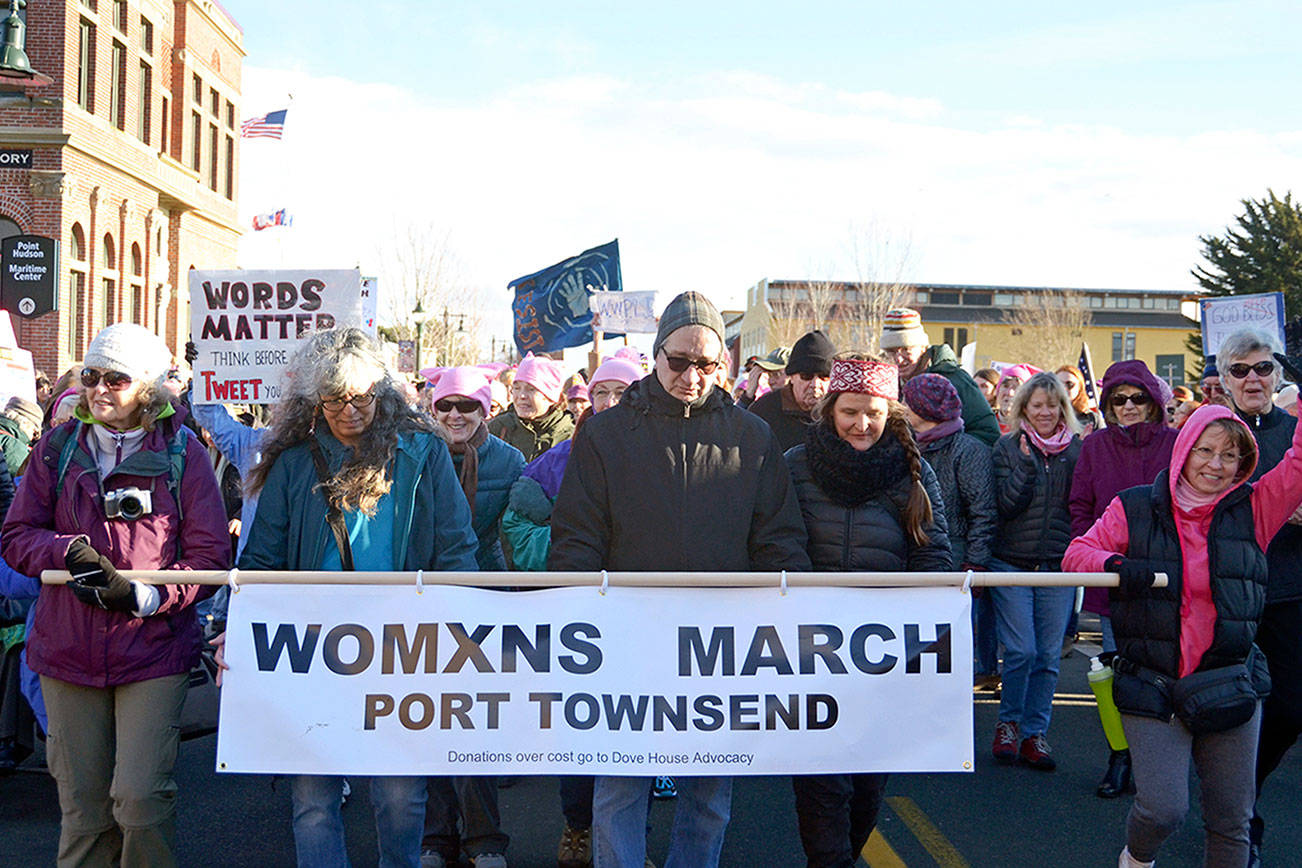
(1116, 780)
(575, 850)
(1035, 753)
(1005, 746)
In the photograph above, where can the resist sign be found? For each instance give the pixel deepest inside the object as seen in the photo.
(246, 326)
(640, 681)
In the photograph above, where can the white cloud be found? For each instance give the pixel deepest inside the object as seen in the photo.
(714, 183)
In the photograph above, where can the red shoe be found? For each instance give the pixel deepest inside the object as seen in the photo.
(1005, 747)
(1035, 753)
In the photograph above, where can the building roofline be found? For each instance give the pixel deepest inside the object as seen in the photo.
(989, 287)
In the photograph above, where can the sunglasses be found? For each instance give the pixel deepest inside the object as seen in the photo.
(114, 380)
(678, 364)
(465, 408)
(1139, 400)
(334, 405)
(1240, 370)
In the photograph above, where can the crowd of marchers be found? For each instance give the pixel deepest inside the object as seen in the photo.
(818, 458)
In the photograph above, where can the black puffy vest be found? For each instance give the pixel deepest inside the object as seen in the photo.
(1147, 627)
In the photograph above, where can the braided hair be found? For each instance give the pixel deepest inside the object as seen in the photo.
(917, 514)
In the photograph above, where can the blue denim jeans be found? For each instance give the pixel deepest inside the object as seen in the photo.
(985, 659)
(619, 813)
(1032, 622)
(399, 804)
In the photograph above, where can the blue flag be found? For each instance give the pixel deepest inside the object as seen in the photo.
(551, 306)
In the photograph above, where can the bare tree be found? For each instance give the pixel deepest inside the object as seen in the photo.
(420, 270)
(1048, 326)
(880, 259)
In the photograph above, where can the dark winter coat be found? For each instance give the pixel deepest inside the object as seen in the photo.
(535, 436)
(499, 467)
(1274, 435)
(853, 504)
(1031, 497)
(15, 445)
(85, 645)
(965, 472)
(655, 484)
(783, 415)
(978, 419)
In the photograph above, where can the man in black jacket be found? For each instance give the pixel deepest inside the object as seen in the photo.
(788, 410)
(675, 478)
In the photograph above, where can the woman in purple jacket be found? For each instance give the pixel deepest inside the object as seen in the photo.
(1133, 448)
(122, 486)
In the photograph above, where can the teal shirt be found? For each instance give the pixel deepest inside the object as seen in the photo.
(369, 536)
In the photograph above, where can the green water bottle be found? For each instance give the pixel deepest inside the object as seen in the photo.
(1100, 678)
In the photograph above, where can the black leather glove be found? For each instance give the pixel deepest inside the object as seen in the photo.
(95, 581)
(1292, 367)
(191, 353)
(1137, 576)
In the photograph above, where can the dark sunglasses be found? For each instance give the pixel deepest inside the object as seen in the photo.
(115, 380)
(334, 405)
(465, 408)
(1139, 399)
(1240, 370)
(678, 364)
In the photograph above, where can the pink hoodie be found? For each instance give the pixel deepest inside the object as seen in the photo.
(1274, 498)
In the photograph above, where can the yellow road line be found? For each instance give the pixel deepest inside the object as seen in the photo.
(878, 853)
(945, 854)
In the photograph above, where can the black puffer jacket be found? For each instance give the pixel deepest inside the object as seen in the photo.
(1031, 496)
(1274, 434)
(1148, 626)
(655, 484)
(854, 502)
(784, 416)
(965, 473)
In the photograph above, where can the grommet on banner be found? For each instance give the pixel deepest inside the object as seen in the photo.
(782, 584)
(231, 575)
(420, 581)
(605, 583)
(967, 583)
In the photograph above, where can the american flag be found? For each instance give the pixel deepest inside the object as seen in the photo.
(268, 126)
(275, 218)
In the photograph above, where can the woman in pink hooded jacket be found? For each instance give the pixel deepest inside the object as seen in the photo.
(1204, 526)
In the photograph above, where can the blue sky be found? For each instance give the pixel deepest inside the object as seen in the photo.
(1015, 143)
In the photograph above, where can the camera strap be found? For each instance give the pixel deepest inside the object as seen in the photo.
(334, 516)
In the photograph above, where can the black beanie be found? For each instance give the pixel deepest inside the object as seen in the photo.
(812, 354)
(688, 308)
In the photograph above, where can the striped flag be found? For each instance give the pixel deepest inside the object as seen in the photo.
(268, 126)
(275, 218)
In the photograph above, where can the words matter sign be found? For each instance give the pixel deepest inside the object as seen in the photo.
(247, 324)
(350, 679)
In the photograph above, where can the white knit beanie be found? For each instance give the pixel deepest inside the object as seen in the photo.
(131, 349)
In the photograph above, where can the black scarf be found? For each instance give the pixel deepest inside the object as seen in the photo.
(847, 476)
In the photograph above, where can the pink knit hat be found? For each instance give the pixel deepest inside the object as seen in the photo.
(470, 381)
(1021, 372)
(617, 369)
(543, 374)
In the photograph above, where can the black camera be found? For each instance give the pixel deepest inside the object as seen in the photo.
(128, 503)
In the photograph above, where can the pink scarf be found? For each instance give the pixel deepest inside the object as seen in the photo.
(1190, 499)
(1059, 440)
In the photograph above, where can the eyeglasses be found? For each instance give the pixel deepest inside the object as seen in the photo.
(465, 408)
(334, 405)
(678, 364)
(114, 380)
(1203, 453)
(1262, 369)
(1213, 389)
(805, 377)
(1139, 399)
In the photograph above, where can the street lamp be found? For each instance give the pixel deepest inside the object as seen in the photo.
(420, 316)
(14, 64)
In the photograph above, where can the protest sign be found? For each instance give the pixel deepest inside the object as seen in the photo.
(1225, 315)
(353, 679)
(247, 324)
(631, 312)
(550, 308)
(17, 375)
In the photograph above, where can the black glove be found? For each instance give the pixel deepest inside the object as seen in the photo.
(191, 353)
(1137, 575)
(1292, 367)
(95, 581)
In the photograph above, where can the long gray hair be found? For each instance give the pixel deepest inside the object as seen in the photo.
(334, 362)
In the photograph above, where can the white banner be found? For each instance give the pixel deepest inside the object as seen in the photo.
(631, 312)
(246, 325)
(363, 680)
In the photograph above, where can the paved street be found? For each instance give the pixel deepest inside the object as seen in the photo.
(998, 816)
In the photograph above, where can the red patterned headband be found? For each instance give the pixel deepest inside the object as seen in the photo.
(865, 377)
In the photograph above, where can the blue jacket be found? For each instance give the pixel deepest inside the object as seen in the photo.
(242, 446)
(500, 464)
(290, 530)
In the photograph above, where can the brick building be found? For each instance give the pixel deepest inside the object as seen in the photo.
(135, 161)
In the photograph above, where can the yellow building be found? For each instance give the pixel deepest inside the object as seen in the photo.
(1147, 324)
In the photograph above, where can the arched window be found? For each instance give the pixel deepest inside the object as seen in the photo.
(109, 293)
(9, 228)
(139, 306)
(78, 304)
(136, 263)
(78, 243)
(110, 252)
